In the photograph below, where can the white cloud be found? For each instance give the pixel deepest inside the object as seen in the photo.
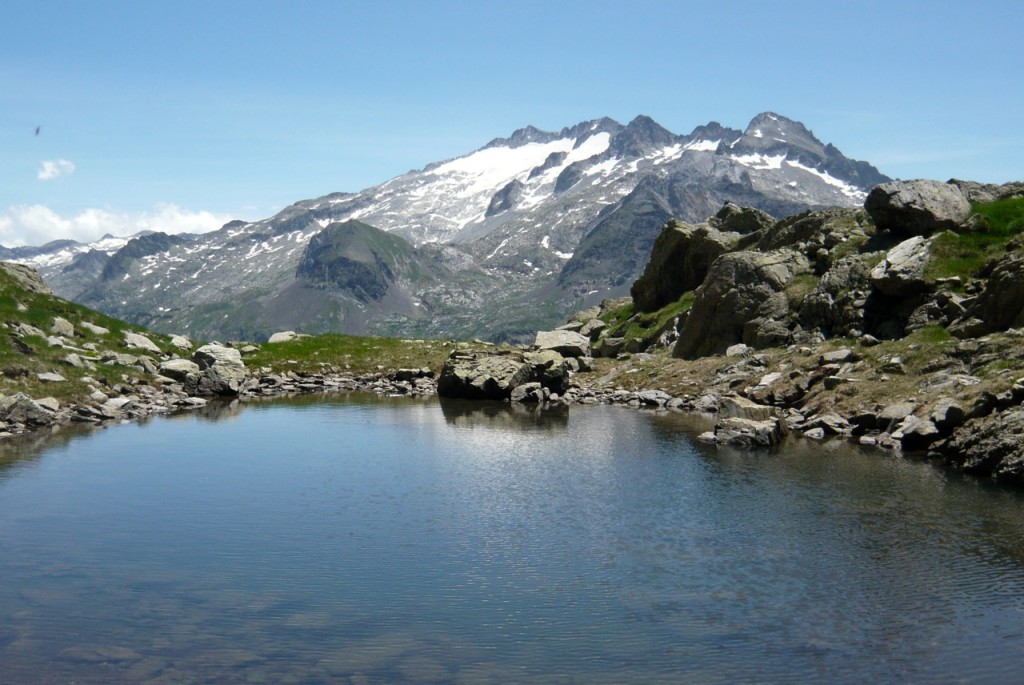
(38, 224)
(53, 168)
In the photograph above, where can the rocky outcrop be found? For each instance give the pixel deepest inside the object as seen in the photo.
(917, 208)
(740, 301)
(680, 260)
(989, 446)
(1001, 304)
(27, 277)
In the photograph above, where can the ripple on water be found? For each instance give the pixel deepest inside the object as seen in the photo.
(396, 542)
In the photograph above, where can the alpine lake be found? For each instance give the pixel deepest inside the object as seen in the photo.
(357, 539)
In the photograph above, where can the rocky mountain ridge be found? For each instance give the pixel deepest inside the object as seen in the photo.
(523, 230)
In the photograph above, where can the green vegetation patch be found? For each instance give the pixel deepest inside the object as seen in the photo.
(966, 253)
(647, 325)
(349, 353)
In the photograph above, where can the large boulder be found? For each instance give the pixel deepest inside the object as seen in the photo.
(902, 271)
(921, 207)
(680, 259)
(483, 376)
(743, 293)
(565, 343)
(221, 371)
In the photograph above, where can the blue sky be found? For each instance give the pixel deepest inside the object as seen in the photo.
(182, 115)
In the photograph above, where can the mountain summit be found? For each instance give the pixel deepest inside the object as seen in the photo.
(495, 243)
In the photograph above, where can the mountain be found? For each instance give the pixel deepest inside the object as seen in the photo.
(496, 243)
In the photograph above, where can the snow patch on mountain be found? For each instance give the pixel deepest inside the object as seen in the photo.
(846, 189)
(756, 161)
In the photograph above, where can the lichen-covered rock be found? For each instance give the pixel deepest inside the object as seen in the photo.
(739, 288)
(732, 218)
(917, 208)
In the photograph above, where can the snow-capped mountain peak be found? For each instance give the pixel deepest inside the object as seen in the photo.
(563, 214)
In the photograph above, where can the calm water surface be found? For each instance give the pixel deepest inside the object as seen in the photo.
(385, 541)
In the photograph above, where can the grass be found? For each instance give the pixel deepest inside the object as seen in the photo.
(625, 323)
(966, 254)
(19, 367)
(349, 353)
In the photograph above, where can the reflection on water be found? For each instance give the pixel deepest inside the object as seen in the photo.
(389, 540)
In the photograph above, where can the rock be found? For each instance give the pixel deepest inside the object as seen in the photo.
(72, 359)
(989, 446)
(902, 271)
(62, 327)
(549, 368)
(50, 377)
(181, 342)
(566, 343)
(23, 409)
(178, 369)
(831, 423)
(742, 290)
(738, 350)
(679, 261)
(734, 406)
(93, 328)
(653, 398)
(593, 329)
(918, 433)
(282, 336)
(221, 371)
(948, 414)
(840, 356)
(527, 392)
(918, 207)
(50, 404)
(141, 342)
(735, 219)
(27, 277)
(750, 434)
(894, 413)
(478, 376)
(1001, 304)
(609, 348)
(968, 327)
(413, 374)
(815, 433)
